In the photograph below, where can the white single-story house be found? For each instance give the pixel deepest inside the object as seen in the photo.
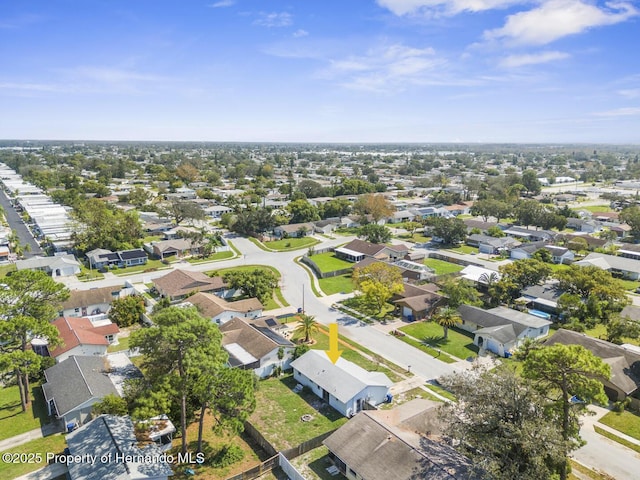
(625, 267)
(344, 385)
(501, 330)
(58, 266)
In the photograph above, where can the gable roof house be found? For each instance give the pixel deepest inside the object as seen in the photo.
(102, 258)
(357, 250)
(326, 226)
(414, 271)
(94, 302)
(624, 363)
(57, 266)
(80, 337)
(542, 297)
(531, 235)
(584, 225)
(618, 266)
(221, 311)
(418, 301)
(75, 384)
(501, 330)
(294, 230)
(179, 247)
(346, 386)
(252, 346)
(629, 250)
(491, 245)
(395, 444)
(177, 284)
(527, 250)
(110, 436)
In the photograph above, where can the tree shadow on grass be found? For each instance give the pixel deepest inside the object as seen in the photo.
(319, 467)
(435, 341)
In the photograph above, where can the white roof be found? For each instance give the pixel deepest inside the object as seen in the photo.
(240, 353)
(473, 272)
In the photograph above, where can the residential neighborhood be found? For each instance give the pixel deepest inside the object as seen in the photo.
(208, 295)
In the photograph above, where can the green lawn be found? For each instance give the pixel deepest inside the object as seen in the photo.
(341, 283)
(123, 344)
(441, 267)
(625, 422)
(212, 258)
(464, 249)
(313, 465)
(278, 416)
(358, 304)
(600, 331)
(150, 266)
(287, 244)
(595, 208)
(4, 269)
(54, 444)
(12, 420)
(557, 267)
(87, 274)
(349, 352)
(441, 391)
(328, 262)
(443, 357)
(459, 343)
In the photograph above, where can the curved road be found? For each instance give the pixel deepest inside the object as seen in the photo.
(295, 281)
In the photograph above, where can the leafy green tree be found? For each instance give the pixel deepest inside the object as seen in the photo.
(527, 212)
(619, 327)
(308, 326)
(29, 301)
(374, 233)
(311, 188)
(530, 447)
(100, 225)
(374, 205)
(490, 207)
(229, 394)
(126, 311)
(257, 283)
(447, 317)
(459, 292)
(411, 227)
(181, 210)
(451, 230)
(531, 182)
(110, 404)
(138, 196)
(378, 282)
(560, 373)
(631, 216)
(338, 207)
(178, 351)
(302, 211)
(496, 232)
(543, 255)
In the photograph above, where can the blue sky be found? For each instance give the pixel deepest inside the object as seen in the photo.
(321, 70)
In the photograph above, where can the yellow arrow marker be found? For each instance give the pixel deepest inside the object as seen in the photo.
(333, 353)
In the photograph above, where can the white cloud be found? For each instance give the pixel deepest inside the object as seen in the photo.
(31, 87)
(222, 4)
(300, 33)
(385, 69)
(113, 75)
(555, 19)
(443, 7)
(514, 61)
(274, 19)
(630, 93)
(620, 112)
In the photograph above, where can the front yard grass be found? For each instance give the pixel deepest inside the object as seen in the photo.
(288, 244)
(4, 269)
(328, 262)
(616, 438)
(464, 249)
(54, 444)
(441, 391)
(338, 284)
(358, 304)
(459, 343)
(443, 357)
(150, 266)
(279, 412)
(350, 352)
(441, 267)
(625, 422)
(12, 420)
(212, 258)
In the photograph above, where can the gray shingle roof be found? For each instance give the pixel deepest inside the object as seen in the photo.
(343, 380)
(376, 452)
(115, 436)
(500, 316)
(76, 380)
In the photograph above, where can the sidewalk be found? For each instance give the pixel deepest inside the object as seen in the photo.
(48, 472)
(48, 429)
(594, 420)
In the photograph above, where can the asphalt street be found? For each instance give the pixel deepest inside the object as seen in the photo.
(16, 223)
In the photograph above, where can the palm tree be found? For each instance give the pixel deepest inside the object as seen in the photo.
(447, 317)
(307, 327)
(488, 279)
